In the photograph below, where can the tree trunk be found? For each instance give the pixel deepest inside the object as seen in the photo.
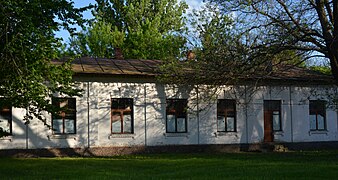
(333, 48)
(333, 56)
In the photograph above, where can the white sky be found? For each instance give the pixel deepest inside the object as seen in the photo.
(193, 4)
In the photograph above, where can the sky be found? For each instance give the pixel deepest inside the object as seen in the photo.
(193, 4)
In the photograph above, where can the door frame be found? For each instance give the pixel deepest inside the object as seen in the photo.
(269, 106)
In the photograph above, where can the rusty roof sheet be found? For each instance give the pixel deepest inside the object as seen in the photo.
(290, 72)
(88, 65)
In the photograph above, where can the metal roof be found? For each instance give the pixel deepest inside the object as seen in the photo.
(142, 67)
(88, 65)
(291, 72)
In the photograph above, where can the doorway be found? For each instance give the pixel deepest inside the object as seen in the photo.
(272, 119)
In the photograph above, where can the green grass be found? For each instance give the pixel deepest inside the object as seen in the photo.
(296, 165)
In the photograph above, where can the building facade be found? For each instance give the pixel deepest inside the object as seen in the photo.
(123, 105)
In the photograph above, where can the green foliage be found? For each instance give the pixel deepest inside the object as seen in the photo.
(3, 133)
(142, 29)
(98, 41)
(212, 26)
(27, 44)
(323, 69)
(148, 43)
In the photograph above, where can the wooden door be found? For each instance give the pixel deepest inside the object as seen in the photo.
(268, 132)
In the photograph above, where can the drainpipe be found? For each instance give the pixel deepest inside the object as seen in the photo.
(336, 107)
(27, 114)
(246, 115)
(198, 116)
(145, 115)
(291, 113)
(88, 139)
(26, 136)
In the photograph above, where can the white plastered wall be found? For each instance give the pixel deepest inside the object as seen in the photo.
(101, 94)
(208, 118)
(300, 115)
(156, 115)
(150, 117)
(256, 97)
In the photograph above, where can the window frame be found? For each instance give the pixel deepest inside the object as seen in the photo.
(177, 113)
(225, 113)
(62, 114)
(121, 111)
(7, 109)
(314, 108)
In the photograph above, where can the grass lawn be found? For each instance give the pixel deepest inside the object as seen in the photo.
(296, 165)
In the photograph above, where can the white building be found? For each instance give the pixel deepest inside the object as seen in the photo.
(124, 105)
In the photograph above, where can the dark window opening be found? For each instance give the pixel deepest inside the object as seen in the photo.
(226, 115)
(176, 115)
(64, 122)
(122, 116)
(5, 118)
(317, 112)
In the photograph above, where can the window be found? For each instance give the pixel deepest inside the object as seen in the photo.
(65, 121)
(272, 109)
(122, 116)
(5, 118)
(176, 121)
(317, 115)
(226, 115)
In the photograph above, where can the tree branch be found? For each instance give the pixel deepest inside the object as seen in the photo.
(329, 11)
(323, 20)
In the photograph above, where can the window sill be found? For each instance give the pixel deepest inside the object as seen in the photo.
(121, 136)
(178, 134)
(279, 133)
(7, 138)
(318, 132)
(62, 136)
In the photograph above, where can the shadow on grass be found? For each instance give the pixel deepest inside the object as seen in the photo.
(300, 165)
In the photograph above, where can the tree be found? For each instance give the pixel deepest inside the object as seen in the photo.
(142, 29)
(27, 46)
(222, 56)
(309, 27)
(98, 41)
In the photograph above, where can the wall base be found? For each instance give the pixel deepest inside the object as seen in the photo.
(115, 151)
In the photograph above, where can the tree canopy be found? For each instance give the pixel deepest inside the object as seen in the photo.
(28, 79)
(141, 29)
(224, 55)
(308, 27)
